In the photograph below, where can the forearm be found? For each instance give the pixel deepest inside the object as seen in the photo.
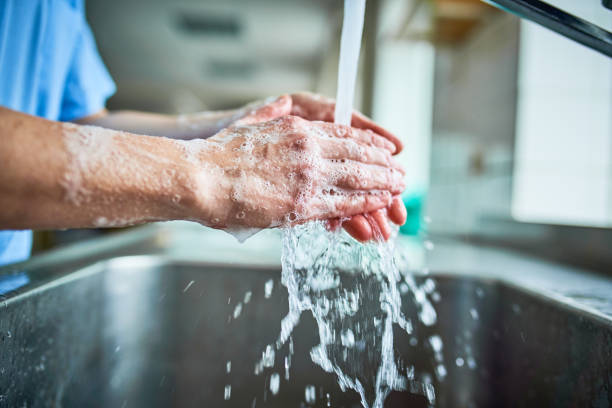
(59, 175)
(187, 126)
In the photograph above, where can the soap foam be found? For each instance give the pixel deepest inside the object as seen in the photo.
(84, 146)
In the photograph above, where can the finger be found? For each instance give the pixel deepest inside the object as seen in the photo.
(339, 149)
(312, 106)
(361, 121)
(364, 136)
(397, 211)
(345, 204)
(317, 107)
(380, 226)
(361, 176)
(280, 107)
(359, 228)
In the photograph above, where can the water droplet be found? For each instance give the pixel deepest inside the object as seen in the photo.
(228, 366)
(459, 362)
(441, 371)
(428, 245)
(268, 356)
(287, 366)
(471, 363)
(268, 288)
(428, 314)
(429, 285)
(188, 286)
(431, 394)
(274, 383)
(436, 343)
(474, 313)
(310, 394)
(247, 297)
(237, 310)
(347, 338)
(227, 392)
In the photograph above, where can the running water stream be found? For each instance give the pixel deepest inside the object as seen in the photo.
(349, 288)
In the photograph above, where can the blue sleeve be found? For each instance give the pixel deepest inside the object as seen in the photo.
(88, 83)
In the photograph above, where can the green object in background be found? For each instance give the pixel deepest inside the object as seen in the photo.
(414, 208)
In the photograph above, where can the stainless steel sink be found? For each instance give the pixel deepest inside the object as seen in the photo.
(149, 331)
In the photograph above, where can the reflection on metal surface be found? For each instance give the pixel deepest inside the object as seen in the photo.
(14, 281)
(125, 333)
(558, 20)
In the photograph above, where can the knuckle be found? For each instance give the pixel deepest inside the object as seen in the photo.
(309, 142)
(299, 142)
(304, 172)
(290, 122)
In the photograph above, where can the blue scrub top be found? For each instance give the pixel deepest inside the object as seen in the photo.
(49, 67)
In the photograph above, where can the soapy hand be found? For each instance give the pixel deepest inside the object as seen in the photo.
(308, 106)
(290, 170)
(363, 227)
(317, 107)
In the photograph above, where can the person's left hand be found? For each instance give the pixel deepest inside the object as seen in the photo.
(364, 227)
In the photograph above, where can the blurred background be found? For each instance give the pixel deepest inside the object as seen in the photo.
(507, 126)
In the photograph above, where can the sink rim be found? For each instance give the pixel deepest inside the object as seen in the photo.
(39, 282)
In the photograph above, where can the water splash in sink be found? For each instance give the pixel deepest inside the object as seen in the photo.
(351, 291)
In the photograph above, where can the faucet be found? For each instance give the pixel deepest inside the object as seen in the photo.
(566, 24)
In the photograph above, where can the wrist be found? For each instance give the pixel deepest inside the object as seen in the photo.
(113, 179)
(203, 187)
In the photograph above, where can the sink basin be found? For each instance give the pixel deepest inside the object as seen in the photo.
(151, 331)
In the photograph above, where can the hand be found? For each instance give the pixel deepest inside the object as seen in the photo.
(290, 170)
(363, 227)
(310, 107)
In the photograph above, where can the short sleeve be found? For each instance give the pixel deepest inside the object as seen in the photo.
(88, 83)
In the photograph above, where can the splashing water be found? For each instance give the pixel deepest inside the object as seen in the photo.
(351, 291)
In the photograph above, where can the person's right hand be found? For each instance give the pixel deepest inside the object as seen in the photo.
(290, 170)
